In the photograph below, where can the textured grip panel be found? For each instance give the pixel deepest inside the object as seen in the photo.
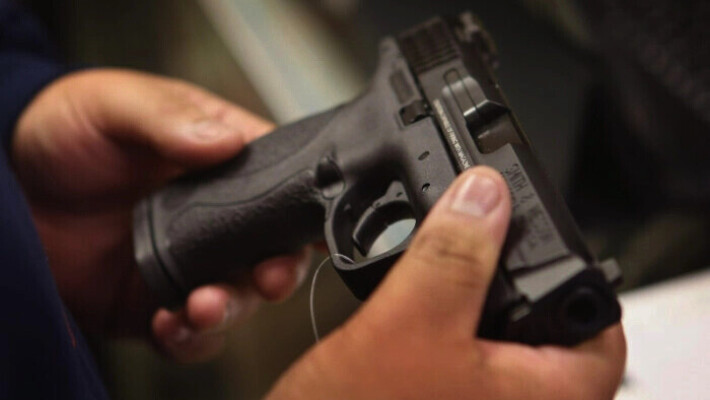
(209, 240)
(221, 184)
(207, 226)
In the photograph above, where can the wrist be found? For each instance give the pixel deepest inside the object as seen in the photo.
(319, 374)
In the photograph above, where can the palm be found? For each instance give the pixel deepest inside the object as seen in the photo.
(82, 185)
(85, 150)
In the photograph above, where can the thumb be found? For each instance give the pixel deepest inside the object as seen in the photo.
(443, 278)
(182, 123)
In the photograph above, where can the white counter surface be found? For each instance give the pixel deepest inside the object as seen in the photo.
(668, 332)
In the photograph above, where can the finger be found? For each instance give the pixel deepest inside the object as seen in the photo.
(603, 360)
(216, 308)
(592, 370)
(182, 123)
(443, 278)
(252, 125)
(197, 332)
(277, 278)
(175, 339)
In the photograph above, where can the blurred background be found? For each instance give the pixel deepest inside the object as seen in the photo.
(615, 97)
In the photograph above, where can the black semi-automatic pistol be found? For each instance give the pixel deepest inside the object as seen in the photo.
(432, 110)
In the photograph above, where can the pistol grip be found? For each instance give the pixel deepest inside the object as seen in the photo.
(208, 226)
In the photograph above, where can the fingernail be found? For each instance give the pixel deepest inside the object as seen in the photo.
(182, 335)
(208, 129)
(477, 196)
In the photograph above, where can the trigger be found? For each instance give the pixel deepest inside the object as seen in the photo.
(385, 211)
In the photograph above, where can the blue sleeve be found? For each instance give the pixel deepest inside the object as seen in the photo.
(42, 352)
(28, 62)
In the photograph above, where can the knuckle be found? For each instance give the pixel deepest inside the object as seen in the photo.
(438, 246)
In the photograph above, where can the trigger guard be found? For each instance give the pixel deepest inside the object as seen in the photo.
(385, 211)
(375, 221)
(361, 276)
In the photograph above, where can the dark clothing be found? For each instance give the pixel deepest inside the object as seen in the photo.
(42, 352)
